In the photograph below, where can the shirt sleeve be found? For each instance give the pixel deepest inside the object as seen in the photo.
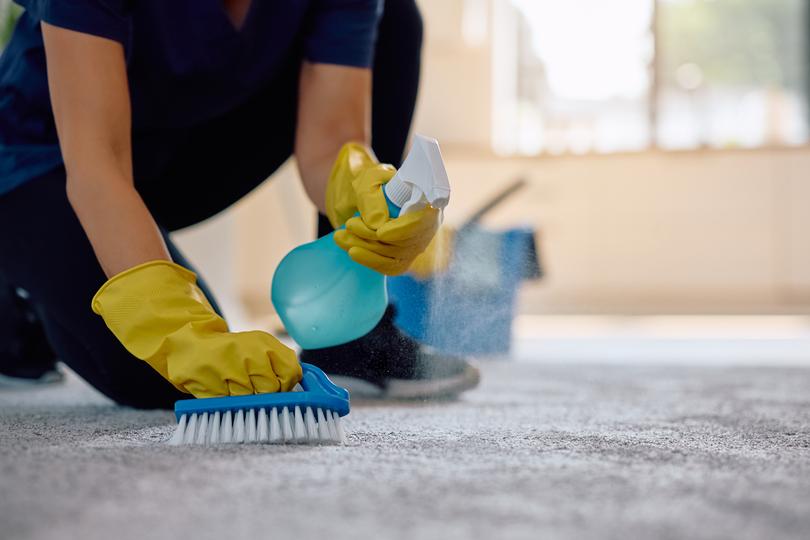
(103, 18)
(343, 32)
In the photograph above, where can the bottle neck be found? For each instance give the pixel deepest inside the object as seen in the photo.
(397, 191)
(393, 209)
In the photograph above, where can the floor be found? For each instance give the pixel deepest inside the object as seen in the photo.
(539, 450)
(753, 340)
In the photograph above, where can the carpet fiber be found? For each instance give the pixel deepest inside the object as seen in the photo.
(537, 451)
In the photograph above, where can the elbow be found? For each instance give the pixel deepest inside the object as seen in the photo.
(83, 187)
(72, 189)
(77, 188)
(94, 182)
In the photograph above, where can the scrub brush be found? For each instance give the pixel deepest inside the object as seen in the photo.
(309, 415)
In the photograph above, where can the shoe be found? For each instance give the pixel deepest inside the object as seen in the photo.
(387, 364)
(23, 378)
(26, 357)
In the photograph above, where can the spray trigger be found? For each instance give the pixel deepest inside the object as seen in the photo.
(422, 178)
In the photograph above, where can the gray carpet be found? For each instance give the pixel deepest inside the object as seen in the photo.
(538, 451)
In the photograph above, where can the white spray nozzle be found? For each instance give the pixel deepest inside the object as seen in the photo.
(422, 179)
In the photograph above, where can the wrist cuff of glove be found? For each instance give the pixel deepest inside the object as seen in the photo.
(169, 270)
(353, 158)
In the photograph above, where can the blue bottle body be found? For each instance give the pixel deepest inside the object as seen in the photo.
(325, 298)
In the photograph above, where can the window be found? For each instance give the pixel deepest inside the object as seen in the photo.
(623, 75)
(731, 73)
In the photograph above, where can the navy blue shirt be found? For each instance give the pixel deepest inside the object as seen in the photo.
(185, 61)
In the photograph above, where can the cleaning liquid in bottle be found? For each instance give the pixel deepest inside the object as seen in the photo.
(325, 298)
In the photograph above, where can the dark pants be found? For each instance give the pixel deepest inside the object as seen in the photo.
(184, 177)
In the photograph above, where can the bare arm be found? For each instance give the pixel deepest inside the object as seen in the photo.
(90, 97)
(334, 107)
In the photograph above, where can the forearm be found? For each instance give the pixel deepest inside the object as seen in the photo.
(334, 108)
(117, 223)
(90, 99)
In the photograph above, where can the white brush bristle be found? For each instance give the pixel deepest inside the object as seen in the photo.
(262, 426)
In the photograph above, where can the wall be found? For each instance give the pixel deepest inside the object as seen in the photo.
(722, 231)
(692, 232)
(715, 231)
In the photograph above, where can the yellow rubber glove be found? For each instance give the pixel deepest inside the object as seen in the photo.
(354, 185)
(160, 315)
(392, 248)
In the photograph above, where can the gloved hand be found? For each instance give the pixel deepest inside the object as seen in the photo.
(373, 239)
(160, 315)
(355, 185)
(392, 248)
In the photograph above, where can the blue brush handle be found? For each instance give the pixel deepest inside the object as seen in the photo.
(315, 380)
(319, 392)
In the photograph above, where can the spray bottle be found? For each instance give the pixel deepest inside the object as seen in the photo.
(325, 298)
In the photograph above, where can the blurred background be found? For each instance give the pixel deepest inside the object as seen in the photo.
(663, 145)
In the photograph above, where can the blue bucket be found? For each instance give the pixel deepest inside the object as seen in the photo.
(468, 310)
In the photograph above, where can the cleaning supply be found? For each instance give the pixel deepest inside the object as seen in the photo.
(374, 239)
(309, 415)
(160, 315)
(326, 298)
